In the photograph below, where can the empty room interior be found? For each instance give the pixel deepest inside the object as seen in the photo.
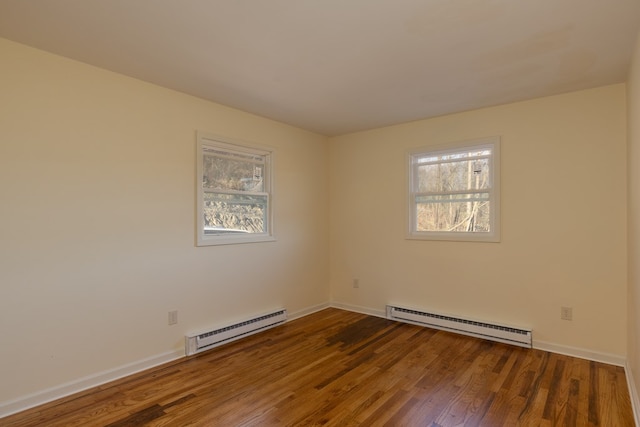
(125, 247)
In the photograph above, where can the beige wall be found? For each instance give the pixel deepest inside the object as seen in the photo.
(633, 103)
(97, 199)
(563, 222)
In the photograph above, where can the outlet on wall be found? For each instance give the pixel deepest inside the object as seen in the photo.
(173, 317)
(356, 283)
(566, 313)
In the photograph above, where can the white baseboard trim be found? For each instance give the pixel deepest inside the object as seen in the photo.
(72, 387)
(29, 401)
(581, 353)
(633, 394)
(611, 359)
(48, 395)
(359, 309)
(307, 311)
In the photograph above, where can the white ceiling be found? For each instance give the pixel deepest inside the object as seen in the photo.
(338, 66)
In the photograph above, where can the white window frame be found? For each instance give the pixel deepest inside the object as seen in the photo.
(494, 191)
(227, 144)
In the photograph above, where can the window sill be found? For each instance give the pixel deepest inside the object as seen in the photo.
(455, 237)
(233, 240)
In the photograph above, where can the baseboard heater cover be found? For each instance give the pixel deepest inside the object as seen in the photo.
(196, 343)
(501, 333)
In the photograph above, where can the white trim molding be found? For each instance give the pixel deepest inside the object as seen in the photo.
(359, 309)
(63, 390)
(307, 311)
(45, 396)
(581, 353)
(611, 359)
(484, 153)
(41, 397)
(633, 393)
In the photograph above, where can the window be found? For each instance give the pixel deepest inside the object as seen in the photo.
(234, 192)
(454, 191)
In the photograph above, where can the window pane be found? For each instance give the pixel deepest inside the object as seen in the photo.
(449, 213)
(455, 191)
(232, 174)
(453, 176)
(234, 213)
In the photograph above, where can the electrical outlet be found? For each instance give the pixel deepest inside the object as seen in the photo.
(566, 313)
(173, 317)
(356, 283)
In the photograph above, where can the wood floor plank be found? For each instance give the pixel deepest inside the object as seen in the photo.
(345, 369)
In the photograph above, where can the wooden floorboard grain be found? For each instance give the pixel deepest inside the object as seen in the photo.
(344, 369)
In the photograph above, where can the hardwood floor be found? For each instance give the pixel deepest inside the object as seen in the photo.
(338, 368)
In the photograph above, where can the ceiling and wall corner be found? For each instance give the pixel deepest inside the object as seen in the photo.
(563, 221)
(336, 67)
(97, 225)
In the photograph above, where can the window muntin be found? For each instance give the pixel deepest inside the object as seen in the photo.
(234, 192)
(454, 192)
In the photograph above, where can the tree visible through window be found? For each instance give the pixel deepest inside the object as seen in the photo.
(234, 192)
(454, 192)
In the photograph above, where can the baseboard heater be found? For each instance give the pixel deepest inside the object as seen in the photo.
(203, 341)
(501, 333)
